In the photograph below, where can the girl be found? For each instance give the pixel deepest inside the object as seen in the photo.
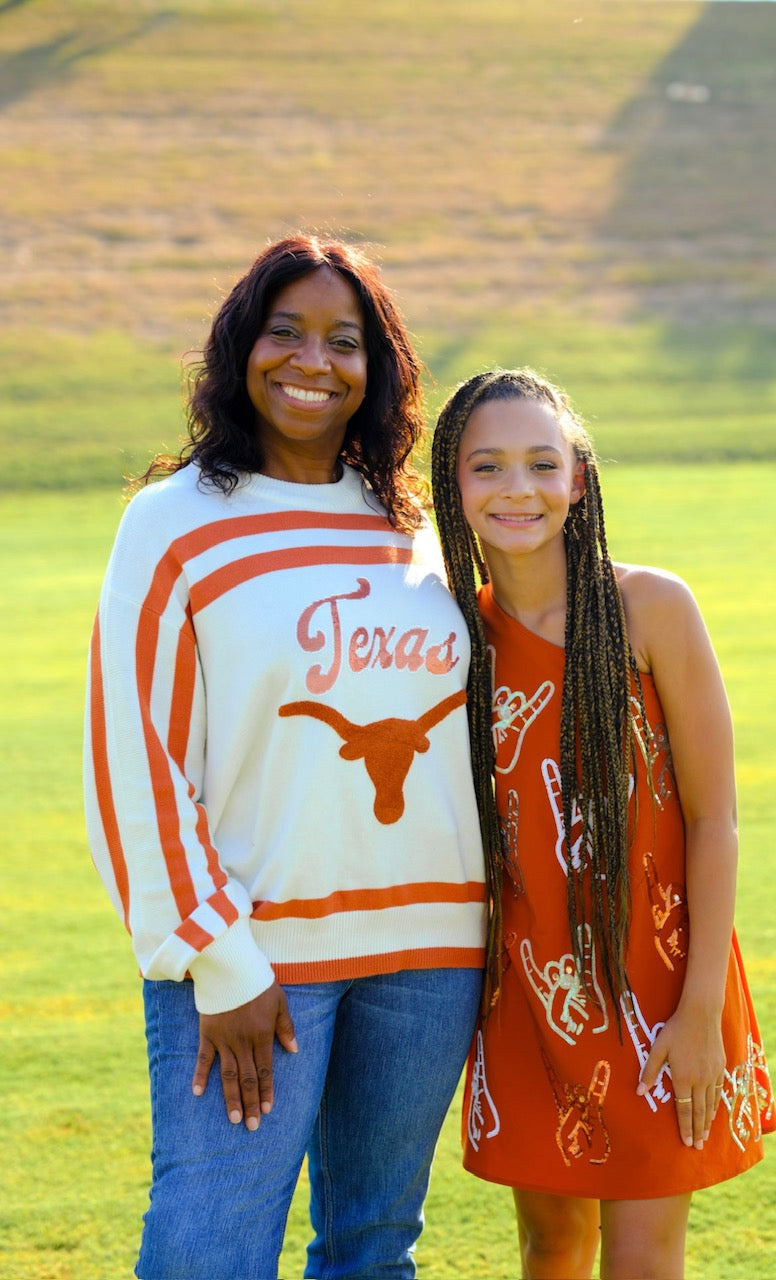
(619, 1065)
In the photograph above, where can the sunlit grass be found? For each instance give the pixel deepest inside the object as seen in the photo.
(73, 1075)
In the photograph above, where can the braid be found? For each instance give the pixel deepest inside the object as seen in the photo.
(462, 555)
(599, 732)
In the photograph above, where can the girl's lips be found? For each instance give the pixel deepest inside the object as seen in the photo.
(510, 518)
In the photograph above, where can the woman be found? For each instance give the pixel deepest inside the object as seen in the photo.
(279, 792)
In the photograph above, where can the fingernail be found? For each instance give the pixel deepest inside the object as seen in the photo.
(197, 1090)
(687, 1142)
(699, 1145)
(252, 1122)
(641, 1089)
(293, 1046)
(706, 1135)
(266, 1107)
(235, 1116)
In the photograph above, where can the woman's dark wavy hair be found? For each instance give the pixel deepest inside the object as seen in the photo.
(600, 735)
(384, 430)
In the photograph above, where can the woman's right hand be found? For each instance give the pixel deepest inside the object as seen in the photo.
(243, 1038)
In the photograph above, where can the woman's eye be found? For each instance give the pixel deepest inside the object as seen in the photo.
(344, 344)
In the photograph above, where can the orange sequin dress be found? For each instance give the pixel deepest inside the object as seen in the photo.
(551, 1101)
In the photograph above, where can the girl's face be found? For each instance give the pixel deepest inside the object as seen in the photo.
(306, 375)
(517, 475)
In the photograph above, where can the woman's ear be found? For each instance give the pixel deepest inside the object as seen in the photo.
(578, 482)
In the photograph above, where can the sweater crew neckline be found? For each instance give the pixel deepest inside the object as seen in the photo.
(336, 496)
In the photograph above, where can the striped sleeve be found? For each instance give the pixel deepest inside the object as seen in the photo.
(148, 831)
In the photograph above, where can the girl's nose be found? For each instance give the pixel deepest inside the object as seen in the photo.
(517, 482)
(311, 356)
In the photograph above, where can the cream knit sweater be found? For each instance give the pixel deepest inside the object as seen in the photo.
(276, 768)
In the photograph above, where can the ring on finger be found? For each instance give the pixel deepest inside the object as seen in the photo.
(684, 1099)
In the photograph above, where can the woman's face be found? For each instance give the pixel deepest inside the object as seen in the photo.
(306, 376)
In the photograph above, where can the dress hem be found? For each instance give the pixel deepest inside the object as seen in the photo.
(636, 1194)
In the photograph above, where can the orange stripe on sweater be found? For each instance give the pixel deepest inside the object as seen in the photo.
(197, 937)
(184, 681)
(190, 932)
(236, 572)
(368, 966)
(167, 818)
(346, 900)
(104, 790)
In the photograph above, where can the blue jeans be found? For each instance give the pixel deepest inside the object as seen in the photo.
(378, 1063)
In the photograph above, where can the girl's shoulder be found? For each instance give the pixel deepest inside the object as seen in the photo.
(659, 609)
(642, 582)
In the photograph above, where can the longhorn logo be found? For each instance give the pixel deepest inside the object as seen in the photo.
(387, 747)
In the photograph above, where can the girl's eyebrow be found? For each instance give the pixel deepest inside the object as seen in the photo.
(495, 452)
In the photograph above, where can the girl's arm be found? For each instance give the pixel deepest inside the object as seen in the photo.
(670, 639)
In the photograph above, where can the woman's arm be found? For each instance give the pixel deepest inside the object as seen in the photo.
(146, 729)
(671, 640)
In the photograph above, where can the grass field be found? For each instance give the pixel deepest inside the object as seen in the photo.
(586, 186)
(73, 1072)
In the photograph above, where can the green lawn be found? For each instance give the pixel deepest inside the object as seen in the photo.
(537, 195)
(72, 1074)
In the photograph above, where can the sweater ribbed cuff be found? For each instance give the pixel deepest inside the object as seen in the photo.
(231, 971)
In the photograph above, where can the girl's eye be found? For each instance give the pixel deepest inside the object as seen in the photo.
(544, 466)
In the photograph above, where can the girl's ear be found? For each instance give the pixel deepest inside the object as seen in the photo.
(578, 482)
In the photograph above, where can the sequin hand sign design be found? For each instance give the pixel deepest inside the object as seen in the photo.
(387, 747)
(643, 1038)
(551, 776)
(513, 713)
(745, 1094)
(581, 1131)
(482, 1108)
(669, 915)
(561, 989)
(508, 828)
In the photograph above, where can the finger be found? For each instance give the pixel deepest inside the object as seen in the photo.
(249, 1092)
(717, 1098)
(709, 1111)
(684, 1114)
(205, 1057)
(284, 1029)
(230, 1084)
(265, 1078)
(698, 1117)
(650, 1071)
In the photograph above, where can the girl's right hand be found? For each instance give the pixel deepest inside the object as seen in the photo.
(243, 1039)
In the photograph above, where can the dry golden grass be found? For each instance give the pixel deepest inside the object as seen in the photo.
(504, 158)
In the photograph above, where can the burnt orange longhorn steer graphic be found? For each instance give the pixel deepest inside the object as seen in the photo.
(387, 747)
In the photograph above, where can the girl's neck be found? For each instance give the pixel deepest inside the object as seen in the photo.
(532, 589)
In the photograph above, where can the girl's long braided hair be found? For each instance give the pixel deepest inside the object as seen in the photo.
(599, 734)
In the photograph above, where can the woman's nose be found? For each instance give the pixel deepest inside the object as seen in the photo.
(311, 356)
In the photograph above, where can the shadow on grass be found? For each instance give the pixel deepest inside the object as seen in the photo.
(691, 228)
(53, 61)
